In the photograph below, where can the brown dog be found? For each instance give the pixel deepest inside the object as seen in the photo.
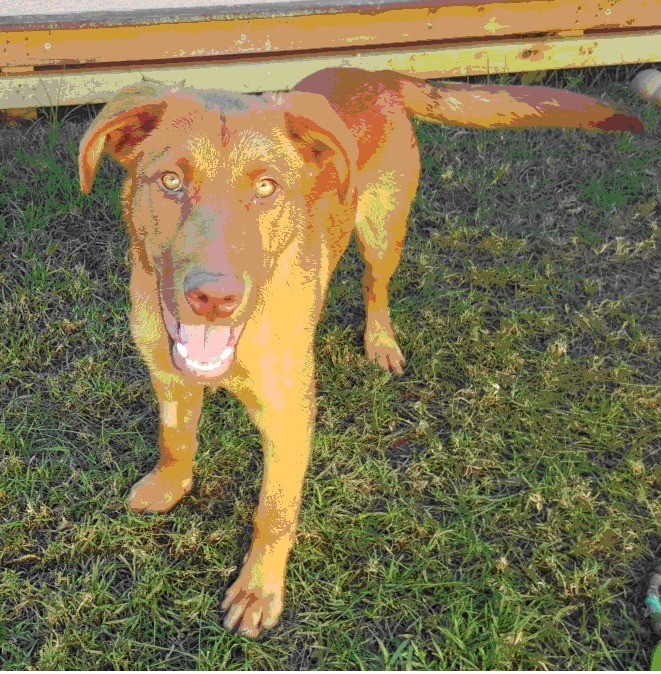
(239, 208)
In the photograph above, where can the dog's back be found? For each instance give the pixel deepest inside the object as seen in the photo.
(364, 99)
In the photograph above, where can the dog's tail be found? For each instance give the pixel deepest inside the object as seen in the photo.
(495, 106)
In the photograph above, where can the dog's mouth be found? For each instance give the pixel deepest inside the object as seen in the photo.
(204, 351)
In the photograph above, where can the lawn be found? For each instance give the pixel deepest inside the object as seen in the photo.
(496, 507)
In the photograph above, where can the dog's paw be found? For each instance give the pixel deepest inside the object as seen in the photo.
(159, 490)
(254, 602)
(383, 350)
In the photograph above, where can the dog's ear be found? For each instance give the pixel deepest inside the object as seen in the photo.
(125, 121)
(320, 136)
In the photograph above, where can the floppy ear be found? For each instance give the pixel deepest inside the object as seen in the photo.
(320, 136)
(495, 106)
(125, 121)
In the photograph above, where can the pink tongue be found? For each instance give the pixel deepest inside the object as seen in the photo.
(203, 342)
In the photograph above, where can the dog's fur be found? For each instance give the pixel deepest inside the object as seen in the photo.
(220, 265)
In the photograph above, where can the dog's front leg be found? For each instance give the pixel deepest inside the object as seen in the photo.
(254, 602)
(172, 478)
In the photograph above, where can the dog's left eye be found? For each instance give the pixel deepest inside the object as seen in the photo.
(265, 187)
(171, 181)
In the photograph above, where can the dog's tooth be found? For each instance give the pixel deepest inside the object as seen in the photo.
(203, 367)
(226, 353)
(183, 351)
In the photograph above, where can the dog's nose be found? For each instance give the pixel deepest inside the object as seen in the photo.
(213, 295)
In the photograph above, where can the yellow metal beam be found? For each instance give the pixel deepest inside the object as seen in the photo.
(263, 74)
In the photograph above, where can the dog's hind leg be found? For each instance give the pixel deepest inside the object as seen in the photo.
(383, 209)
(172, 478)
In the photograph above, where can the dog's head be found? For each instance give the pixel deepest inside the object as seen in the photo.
(218, 186)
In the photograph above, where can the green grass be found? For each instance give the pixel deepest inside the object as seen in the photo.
(494, 508)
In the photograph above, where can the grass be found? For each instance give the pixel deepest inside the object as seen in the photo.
(493, 508)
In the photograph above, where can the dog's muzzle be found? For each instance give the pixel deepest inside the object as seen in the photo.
(206, 351)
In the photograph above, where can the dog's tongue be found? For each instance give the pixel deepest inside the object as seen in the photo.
(204, 342)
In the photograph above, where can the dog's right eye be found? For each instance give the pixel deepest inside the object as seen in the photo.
(265, 187)
(171, 181)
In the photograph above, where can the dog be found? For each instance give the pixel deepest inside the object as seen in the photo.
(239, 208)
